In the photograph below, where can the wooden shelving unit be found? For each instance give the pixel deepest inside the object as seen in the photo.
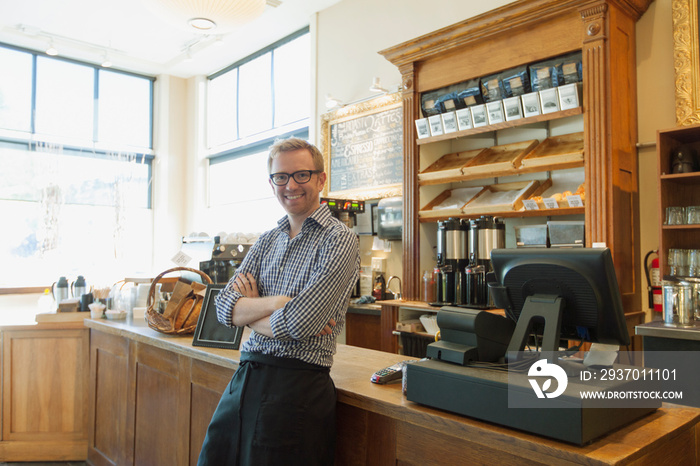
(524, 32)
(515, 214)
(680, 189)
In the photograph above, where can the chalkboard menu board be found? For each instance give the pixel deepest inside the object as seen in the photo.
(364, 149)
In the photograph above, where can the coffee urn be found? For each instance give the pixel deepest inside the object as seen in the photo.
(452, 258)
(485, 234)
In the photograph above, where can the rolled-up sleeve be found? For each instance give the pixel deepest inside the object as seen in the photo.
(227, 298)
(336, 272)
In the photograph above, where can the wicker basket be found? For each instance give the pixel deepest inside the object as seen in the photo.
(181, 315)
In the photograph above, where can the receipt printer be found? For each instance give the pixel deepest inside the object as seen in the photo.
(470, 335)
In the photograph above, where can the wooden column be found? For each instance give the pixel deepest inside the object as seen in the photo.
(411, 197)
(610, 135)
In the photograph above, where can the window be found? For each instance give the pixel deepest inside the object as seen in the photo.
(15, 75)
(250, 104)
(75, 147)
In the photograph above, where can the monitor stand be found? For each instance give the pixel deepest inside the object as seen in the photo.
(550, 308)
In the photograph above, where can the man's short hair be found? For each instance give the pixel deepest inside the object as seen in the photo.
(292, 144)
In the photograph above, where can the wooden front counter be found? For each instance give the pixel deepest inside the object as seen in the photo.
(152, 395)
(44, 391)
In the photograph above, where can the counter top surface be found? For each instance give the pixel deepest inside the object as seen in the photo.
(351, 373)
(658, 328)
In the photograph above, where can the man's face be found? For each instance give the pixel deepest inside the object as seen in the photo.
(298, 200)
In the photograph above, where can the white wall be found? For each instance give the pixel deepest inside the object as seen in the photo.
(171, 183)
(352, 32)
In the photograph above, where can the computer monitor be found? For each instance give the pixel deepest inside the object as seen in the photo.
(567, 293)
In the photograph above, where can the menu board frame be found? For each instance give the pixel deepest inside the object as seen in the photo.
(362, 146)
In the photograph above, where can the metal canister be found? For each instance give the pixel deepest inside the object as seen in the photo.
(679, 305)
(486, 234)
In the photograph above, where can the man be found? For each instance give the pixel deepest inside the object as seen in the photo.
(292, 290)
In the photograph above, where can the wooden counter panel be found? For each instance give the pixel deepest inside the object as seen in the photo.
(44, 388)
(208, 382)
(157, 406)
(364, 437)
(108, 397)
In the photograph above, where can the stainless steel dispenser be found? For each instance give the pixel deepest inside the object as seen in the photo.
(485, 234)
(452, 258)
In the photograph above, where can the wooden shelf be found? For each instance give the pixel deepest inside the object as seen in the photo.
(516, 214)
(502, 173)
(683, 178)
(681, 227)
(504, 125)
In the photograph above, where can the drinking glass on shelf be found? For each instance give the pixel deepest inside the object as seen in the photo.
(675, 261)
(692, 215)
(693, 262)
(675, 215)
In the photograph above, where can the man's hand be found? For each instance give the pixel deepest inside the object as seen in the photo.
(246, 285)
(328, 329)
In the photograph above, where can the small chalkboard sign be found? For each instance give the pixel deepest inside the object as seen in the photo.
(363, 149)
(210, 332)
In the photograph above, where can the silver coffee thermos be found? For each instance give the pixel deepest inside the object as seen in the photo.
(485, 234)
(452, 258)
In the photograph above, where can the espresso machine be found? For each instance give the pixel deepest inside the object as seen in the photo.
(225, 260)
(452, 258)
(344, 210)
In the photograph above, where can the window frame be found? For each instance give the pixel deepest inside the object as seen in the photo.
(265, 137)
(32, 136)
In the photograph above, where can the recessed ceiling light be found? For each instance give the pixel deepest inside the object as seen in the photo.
(201, 24)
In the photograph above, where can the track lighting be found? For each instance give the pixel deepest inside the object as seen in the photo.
(332, 102)
(377, 85)
(51, 50)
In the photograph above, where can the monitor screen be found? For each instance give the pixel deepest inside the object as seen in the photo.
(577, 286)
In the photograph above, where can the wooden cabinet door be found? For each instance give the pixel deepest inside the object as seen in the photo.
(45, 388)
(207, 383)
(109, 387)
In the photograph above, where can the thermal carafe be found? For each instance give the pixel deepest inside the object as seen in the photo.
(485, 234)
(452, 258)
(60, 290)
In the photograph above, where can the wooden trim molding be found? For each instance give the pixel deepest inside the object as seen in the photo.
(522, 13)
(686, 61)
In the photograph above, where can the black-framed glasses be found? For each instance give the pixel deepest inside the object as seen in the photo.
(301, 177)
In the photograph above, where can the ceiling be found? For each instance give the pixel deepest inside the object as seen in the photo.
(135, 38)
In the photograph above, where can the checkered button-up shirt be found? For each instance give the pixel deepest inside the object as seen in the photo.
(318, 269)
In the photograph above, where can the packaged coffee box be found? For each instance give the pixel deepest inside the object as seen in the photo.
(545, 75)
(571, 69)
(492, 88)
(429, 103)
(515, 81)
(470, 94)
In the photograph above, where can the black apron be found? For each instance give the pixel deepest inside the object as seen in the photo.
(274, 411)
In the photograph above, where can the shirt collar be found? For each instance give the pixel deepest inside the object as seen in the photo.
(321, 216)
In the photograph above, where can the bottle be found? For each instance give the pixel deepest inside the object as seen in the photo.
(79, 287)
(428, 290)
(60, 290)
(379, 287)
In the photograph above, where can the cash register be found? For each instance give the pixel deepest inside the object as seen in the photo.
(480, 367)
